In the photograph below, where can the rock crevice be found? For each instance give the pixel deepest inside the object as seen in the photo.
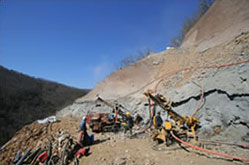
(207, 93)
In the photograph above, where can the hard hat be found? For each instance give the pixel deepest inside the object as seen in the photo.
(128, 113)
(83, 117)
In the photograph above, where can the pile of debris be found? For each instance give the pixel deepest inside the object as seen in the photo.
(47, 143)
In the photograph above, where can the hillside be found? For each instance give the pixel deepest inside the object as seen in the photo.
(225, 20)
(180, 74)
(168, 73)
(213, 60)
(207, 77)
(24, 99)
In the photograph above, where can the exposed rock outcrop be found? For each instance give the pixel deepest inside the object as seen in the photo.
(174, 74)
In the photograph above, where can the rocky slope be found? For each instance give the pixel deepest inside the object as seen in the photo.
(165, 72)
(182, 74)
(223, 22)
(229, 85)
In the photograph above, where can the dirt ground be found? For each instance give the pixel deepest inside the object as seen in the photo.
(139, 151)
(109, 148)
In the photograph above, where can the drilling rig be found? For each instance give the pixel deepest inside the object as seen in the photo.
(183, 127)
(105, 122)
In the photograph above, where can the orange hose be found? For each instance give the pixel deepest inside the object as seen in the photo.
(209, 151)
(184, 69)
(201, 100)
(197, 67)
(198, 108)
(245, 146)
(180, 70)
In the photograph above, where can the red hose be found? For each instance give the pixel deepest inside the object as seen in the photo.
(197, 67)
(201, 100)
(209, 151)
(180, 70)
(184, 69)
(245, 146)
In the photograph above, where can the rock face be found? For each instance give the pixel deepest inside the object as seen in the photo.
(224, 111)
(179, 74)
(226, 102)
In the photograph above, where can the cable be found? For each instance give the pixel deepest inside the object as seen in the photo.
(180, 70)
(197, 67)
(209, 151)
(244, 146)
(201, 100)
(184, 69)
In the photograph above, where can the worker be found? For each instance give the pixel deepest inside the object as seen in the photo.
(159, 120)
(138, 119)
(129, 121)
(83, 138)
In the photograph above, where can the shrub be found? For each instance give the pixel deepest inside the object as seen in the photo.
(132, 59)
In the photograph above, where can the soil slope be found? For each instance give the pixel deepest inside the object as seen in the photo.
(223, 113)
(225, 20)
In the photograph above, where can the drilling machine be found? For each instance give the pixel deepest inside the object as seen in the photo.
(105, 122)
(182, 126)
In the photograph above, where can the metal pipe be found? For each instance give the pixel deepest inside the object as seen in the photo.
(22, 158)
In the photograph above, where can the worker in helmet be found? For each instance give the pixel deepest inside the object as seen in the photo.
(83, 138)
(129, 121)
(159, 120)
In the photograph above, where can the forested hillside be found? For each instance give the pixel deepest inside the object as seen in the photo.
(24, 99)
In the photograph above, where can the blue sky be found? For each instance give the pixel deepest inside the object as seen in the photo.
(80, 42)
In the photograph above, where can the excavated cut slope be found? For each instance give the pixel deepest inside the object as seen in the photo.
(225, 20)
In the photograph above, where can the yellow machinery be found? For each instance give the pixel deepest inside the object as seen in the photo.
(182, 126)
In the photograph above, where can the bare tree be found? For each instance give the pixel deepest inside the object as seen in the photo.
(132, 59)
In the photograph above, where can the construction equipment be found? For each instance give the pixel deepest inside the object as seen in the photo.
(102, 122)
(183, 126)
(109, 122)
(105, 122)
(69, 150)
(116, 108)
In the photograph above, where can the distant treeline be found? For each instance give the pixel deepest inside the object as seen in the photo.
(24, 99)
